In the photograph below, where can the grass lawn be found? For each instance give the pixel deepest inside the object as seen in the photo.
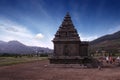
(4, 61)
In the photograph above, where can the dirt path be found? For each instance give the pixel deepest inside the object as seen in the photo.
(40, 70)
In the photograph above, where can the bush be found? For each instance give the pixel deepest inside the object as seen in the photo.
(44, 55)
(10, 55)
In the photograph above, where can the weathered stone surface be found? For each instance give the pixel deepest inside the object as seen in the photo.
(67, 43)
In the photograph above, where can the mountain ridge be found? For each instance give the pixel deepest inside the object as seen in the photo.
(16, 47)
(113, 36)
(109, 43)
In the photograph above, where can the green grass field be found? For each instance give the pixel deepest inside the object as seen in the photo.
(4, 61)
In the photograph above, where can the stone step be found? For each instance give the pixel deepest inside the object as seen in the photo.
(66, 66)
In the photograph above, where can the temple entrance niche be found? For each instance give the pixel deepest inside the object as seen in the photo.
(66, 50)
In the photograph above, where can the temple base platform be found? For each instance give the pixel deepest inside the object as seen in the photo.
(86, 60)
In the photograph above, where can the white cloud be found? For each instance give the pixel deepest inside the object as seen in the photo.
(12, 31)
(39, 36)
(87, 38)
(113, 30)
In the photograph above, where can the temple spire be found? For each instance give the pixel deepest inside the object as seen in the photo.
(67, 18)
(67, 30)
(67, 15)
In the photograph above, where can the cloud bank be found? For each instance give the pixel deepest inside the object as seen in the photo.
(87, 38)
(13, 31)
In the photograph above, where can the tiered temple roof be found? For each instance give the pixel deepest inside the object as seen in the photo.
(67, 31)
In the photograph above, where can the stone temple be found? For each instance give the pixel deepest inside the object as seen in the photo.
(68, 48)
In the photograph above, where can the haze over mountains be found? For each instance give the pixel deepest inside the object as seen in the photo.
(15, 47)
(109, 42)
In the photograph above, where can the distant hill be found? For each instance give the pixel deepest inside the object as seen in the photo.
(15, 47)
(108, 43)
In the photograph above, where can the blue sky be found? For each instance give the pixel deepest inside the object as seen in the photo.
(34, 22)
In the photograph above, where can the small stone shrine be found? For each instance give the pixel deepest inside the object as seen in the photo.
(68, 48)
